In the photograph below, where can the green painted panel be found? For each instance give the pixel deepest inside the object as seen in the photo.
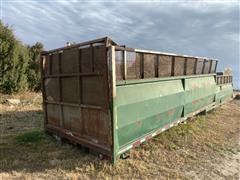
(144, 107)
(199, 92)
(224, 92)
(136, 129)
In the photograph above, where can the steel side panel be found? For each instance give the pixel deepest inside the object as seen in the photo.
(199, 92)
(145, 107)
(224, 92)
(142, 108)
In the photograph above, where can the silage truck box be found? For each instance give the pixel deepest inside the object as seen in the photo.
(111, 98)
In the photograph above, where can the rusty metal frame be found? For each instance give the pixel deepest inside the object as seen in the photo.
(45, 75)
(75, 137)
(223, 79)
(112, 96)
(159, 53)
(103, 40)
(142, 52)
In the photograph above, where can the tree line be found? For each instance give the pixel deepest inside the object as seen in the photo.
(19, 63)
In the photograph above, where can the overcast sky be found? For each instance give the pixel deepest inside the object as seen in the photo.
(201, 29)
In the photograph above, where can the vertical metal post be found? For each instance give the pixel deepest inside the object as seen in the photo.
(42, 62)
(112, 69)
(124, 65)
(173, 66)
(156, 66)
(92, 56)
(210, 68)
(204, 62)
(50, 64)
(195, 66)
(142, 65)
(79, 85)
(60, 88)
(79, 77)
(185, 65)
(215, 67)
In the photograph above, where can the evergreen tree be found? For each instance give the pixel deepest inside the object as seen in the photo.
(14, 60)
(34, 66)
(19, 64)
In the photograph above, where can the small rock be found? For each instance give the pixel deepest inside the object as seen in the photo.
(237, 96)
(13, 101)
(54, 162)
(9, 128)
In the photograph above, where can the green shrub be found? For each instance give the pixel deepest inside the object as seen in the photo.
(31, 137)
(19, 64)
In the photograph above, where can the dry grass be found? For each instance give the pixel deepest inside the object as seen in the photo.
(192, 150)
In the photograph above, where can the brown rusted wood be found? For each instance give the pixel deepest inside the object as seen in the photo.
(149, 65)
(195, 66)
(73, 75)
(50, 65)
(124, 49)
(157, 66)
(173, 66)
(203, 67)
(132, 65)
(210, 68)
(92, 57)
(185, 66)
(142, 65)
(79, 78)
(215, 70)
(77, 93)
(179, 66)
(60, 88)
(165, 63)
(100, 40)
(78, 138)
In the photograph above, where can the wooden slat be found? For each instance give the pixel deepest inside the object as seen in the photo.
(210, 68)
(142, 65)
(204, 62)
(79, 78)
(157, 66)
(195, 66)
(60, 88)
(73, 74)
(185, 66)
(173, 66)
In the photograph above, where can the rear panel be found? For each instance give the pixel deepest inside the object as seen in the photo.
(75, 93)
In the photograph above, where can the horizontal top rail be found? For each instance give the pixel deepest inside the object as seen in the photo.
(104, 40)
(160, 53)
(151, 80)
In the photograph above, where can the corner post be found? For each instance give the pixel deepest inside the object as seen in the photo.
(112, 69)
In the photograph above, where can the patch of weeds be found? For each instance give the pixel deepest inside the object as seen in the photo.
(31, 137)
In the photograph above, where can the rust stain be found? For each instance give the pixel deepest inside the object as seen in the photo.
(196, 101)
(138, 123)
(148, 137)
(171, 112)
(158, 116)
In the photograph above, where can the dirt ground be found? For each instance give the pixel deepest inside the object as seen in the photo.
(206, 147)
